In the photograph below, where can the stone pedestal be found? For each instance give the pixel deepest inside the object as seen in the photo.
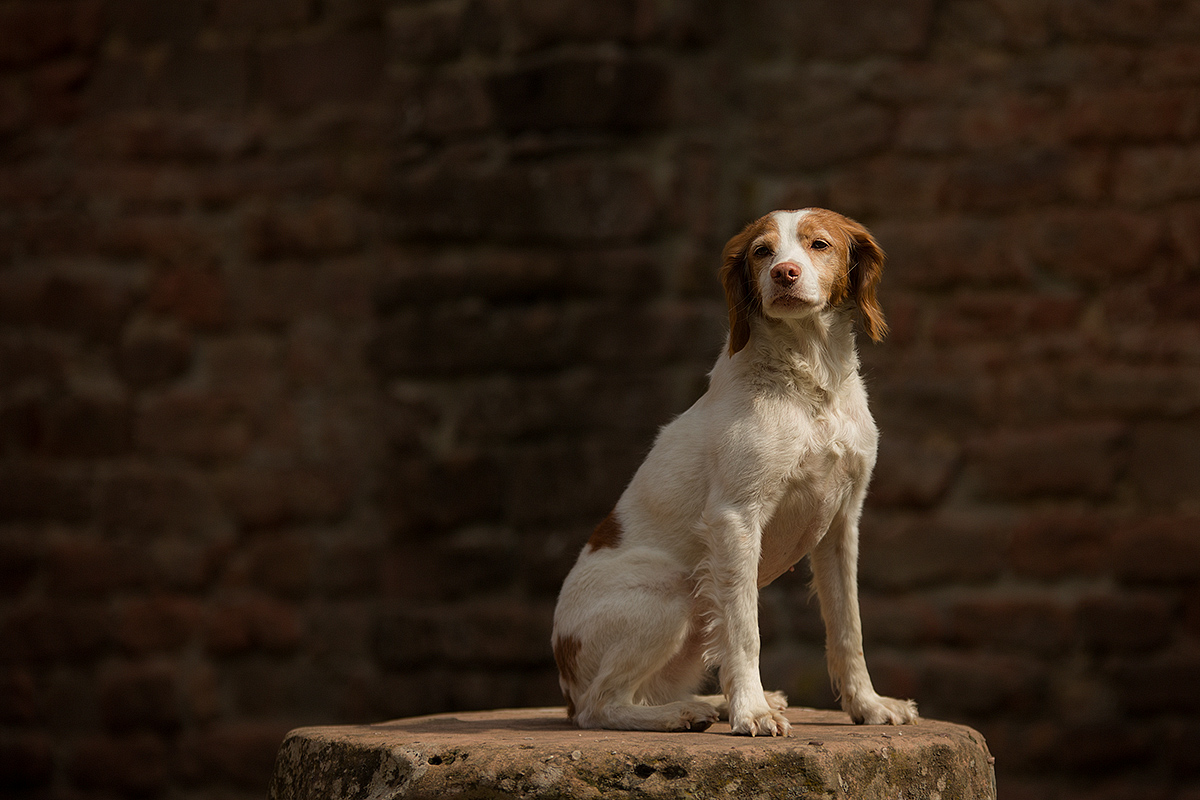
(536, 753)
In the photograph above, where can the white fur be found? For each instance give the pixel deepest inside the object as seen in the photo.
(769, 465)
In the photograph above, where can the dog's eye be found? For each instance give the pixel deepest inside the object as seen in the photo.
(819, 244)
(762, 251)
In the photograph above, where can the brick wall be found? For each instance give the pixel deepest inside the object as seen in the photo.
(329, 329)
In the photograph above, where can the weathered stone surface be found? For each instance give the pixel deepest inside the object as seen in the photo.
(536, 753)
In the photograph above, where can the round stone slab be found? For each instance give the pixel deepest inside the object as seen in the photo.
(537, 753)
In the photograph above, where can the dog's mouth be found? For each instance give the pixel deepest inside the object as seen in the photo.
(792, 303)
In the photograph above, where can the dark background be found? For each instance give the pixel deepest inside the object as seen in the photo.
(328, 330)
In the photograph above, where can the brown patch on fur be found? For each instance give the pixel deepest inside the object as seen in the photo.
(863, 260)
(741, 292)
(566, 656)
(607, 534)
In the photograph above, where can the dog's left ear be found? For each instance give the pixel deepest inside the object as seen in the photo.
(866, 270)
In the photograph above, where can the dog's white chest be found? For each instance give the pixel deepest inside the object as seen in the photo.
(834, 466)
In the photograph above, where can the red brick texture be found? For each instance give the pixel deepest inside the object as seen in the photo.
(330, 330)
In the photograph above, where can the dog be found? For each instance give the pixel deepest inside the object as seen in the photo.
(771, 464)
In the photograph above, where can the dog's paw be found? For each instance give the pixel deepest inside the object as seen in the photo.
(696, 716)
(876, 710)
(765, 720)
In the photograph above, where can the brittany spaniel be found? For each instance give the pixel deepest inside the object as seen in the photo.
(769, 465)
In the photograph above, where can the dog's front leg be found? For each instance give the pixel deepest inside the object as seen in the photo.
(835, 574)
(728, 583)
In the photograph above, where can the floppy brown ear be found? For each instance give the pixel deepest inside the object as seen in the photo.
(866, 270)
(740, 295)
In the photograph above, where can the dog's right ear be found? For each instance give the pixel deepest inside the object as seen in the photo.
(741, 294)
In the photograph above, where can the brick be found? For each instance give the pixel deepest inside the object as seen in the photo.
(1064, 544)
(240, 754)
(904, 553)
(195, 294)
(91, 566)
(1134, 390)
(903, 621)
(1163, 462)
(144, 22)
(56, 91)
(82, 428)
(426, 34)
(1008, 120)
(1158, 549)
(1172, 63)
(202, 78)
(420, 277)
(25, 359)
(41, 633)
(1104, 747)
(565, 481)
(1029, 178)
(496, 634)
(156, 624)
(951, 252)
(33, 31)
(1184, 231)
(806, 136)
(344, 67)
(913, 472)
(614, 95)
(1023, 624)
(141, 696)
(155, 136)
(150, 502)
(1132, 115)
(21, 699)
(456, 105)
(571, 202)
(1068, 460)
(1130, 20)
(238, 17)
(267, 498)
(317, 229)
(849, 31)
(442, 493)
(1146, 176)
(541, 24)
(179, 563)
(281, 563)
(1096, 247)
(21, 557)
(974, 685)
(26, 761)
(133, 765)
(32, 492)
(193, 426)
(886, 186)
(87, 305)
(1151, 685)
(150, 358)
(1131, 623)
(281, 292)
(253, 624)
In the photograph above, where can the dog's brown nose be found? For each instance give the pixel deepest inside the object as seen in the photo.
(785, 273)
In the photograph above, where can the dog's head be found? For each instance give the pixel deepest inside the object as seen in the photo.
(791, 264)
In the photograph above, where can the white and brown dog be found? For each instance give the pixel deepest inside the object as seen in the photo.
(769, 465)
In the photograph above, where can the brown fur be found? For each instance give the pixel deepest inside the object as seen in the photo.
(607, 534)
(566, 655)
